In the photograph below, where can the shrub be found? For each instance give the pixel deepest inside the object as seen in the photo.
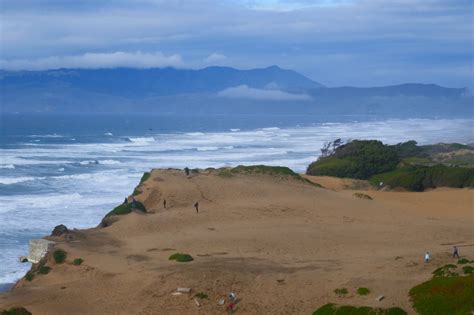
(16, 311)
(445, 271)
(179, 257)
(59, 256)
(77, 261)
(362, 196)
(356, 159)
(341, 291)
(331, 309)
(464, 261)
(29, 276)
(444, 295)
(44, 270)
(468, 270)
(363, 291)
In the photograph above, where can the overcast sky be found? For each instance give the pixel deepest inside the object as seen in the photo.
(338, 42)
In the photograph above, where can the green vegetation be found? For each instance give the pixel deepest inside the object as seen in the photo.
(59, 256)
(126, 208)
(16, 311)
(44, 270)
(468, 270)
(342, 291)
(444, 295)
(363, 291)
(29, 276)
(201, 295)
(77, 261)
(404, 165)
(356, 159)
(179, 257)
(145, 176)
(445, 271)
(423, 177)
(332, 309)
(464, 261)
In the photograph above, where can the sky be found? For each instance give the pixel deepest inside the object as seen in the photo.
(334, 42)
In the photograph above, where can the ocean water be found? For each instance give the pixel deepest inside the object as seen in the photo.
(72, 170)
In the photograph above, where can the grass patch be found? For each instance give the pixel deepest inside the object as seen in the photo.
(201, 295)
(342, 291)
(59, 256)
(126, 208)
(464, 261)
(468, 270)
(16, 311)
(444, 295)
(332, 309)
(29, 276)
(363, 291)
(145, 177)
(445, 271)
(77, 261)
(44, 270)
(179, 257)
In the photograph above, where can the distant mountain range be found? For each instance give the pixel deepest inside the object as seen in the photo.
(217, 90)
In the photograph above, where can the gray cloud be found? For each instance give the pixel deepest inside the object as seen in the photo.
(336, 42)
(243, 91)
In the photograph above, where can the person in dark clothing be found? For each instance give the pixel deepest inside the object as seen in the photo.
(164, 203)
(455, 252)
(186, 171)
(196, 206)
(125, 201)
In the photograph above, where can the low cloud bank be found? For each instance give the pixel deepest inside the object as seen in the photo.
(246, 92)
(96, 60)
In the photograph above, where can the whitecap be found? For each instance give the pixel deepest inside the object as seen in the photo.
(16, 180)
(7, 166)
(108, 134)
(109, 162)
(141, 140)
(234, 129)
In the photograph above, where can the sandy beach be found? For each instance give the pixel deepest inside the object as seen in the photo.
(281, 244)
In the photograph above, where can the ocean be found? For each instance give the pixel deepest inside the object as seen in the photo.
(73, 169)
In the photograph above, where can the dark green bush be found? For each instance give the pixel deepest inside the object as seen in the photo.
(444, 295)
(29, 276)
(331, 309)
(181, 257)
(445, 271)
(201, 295)
(77, 261)
(363, 291)
(59, 256)
(16, 311)
(44, 270)
(464, 261)
(145, 176)
(468, 270)
(357, 159)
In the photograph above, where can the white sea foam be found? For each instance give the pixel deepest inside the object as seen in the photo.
(141, 140)
(109, 162)
(7, 166)
(108, 134)
(15, 180)
(234, 129)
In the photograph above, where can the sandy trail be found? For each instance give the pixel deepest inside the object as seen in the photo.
(281, 245)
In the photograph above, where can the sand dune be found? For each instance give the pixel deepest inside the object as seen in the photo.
(280, 244)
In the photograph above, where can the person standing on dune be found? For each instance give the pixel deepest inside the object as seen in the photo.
(196, 206)
(455, 252)
(164, 203)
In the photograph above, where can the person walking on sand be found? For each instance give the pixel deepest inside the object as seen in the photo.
(164, 203)
(427, 257)
(455, 252)
(196, 206)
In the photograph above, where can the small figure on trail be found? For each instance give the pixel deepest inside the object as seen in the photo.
(134, 202)
(164, 203)
(196, 206)
(125, 201)
(427, 257)
(186, 171)
(455, 252)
